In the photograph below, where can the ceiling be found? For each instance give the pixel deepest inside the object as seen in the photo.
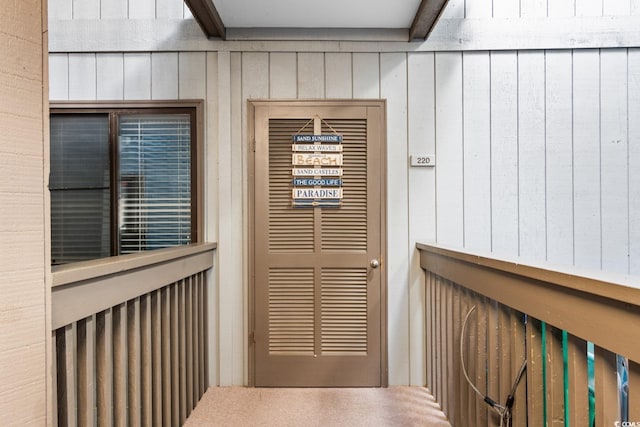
(231, 19)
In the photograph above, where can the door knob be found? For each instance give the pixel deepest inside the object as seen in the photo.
(374, 263)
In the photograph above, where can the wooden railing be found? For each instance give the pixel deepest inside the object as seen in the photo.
(547, 319)
(129, 338)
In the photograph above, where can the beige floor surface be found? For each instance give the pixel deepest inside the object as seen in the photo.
(371, 407)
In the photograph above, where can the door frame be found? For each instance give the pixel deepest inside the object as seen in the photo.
(252, 104)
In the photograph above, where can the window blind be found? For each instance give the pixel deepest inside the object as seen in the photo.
(79, 185)
(154, 203)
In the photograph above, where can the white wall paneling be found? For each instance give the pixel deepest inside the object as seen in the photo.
(531, 154)
(137, 76)
(559, 157)
(449, 155)
(506, 8)
(634, 160)
(586, 157)
(614, 151)
(477, 150)
(164, 75)
(422, 198)
(339, 75)
(393, 84)
(237, 283)
(173, 9)
(283, 71)
(142, 9)
(366, 75)
(504, 153)
(311, 75)
(561, 8)
(110, 76)
(211, 210)
(82, 76)
(58, 77)
(114, 9)
(533, 8)
(589, 7)
(60, 10)
(455, 9)
(616, 7)
(86, 9)
(225, 217)
(192, 71)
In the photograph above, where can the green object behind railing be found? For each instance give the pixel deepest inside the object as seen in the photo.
(543, 337)
(565, 379)
(592, 382)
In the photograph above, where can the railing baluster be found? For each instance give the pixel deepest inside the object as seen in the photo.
(54, 379)
(156, 344)
(461, 384)
(189, 342)
(133, 336)
(175, 360)
(634, 391)
(469, 345)
(104, 367)
(195, 312)
(518, 355)
(182, 351)
(82, 369)
(481, 349)
(555, 377)
(120, 369)
(458, 309)
(167, 399)
(428, 328)
(606, 388)
(535, 397)
(90, 374)
(146, 360)
(71, 380)
(437, 392)
(493, 358)
(447, 394)
(578, 382)
(504, 371)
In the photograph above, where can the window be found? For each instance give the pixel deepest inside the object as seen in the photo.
(122, 180)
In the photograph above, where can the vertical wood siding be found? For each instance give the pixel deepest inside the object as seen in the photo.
(536, 153)
(23, 216)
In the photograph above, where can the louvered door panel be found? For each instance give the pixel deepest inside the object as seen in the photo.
(344, 311)
(346, 228)
(290, 229)
(291, 311)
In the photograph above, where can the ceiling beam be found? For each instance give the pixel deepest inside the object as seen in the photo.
(426, 18)
(208, 18)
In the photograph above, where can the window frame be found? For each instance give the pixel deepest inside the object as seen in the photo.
(113, 109)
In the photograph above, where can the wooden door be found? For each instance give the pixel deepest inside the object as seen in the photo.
(319, 295)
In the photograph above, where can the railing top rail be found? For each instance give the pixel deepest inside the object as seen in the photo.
(606, 284)
(83, 289)
(601, 308)
(86, 270)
